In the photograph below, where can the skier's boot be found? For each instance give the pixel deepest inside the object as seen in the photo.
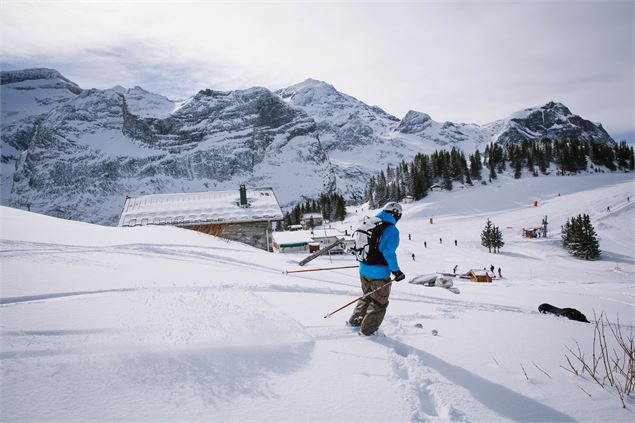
(355, 321)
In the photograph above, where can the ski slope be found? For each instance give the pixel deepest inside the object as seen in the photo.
(164, 324)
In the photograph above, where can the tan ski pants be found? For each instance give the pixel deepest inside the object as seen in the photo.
(370, 311)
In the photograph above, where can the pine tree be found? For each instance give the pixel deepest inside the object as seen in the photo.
(487, 236)
(340, 208)
(447, 182)
(497, 239)
(580, 239)
(476, 165)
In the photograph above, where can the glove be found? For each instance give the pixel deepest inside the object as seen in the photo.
(399, 276)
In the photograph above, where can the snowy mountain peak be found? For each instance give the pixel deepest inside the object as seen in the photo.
(310, 93)
(414, 122)
(10, 77)
(27, 79)
(552, 120)
(552, 107)
(310, 83)
(558, 107)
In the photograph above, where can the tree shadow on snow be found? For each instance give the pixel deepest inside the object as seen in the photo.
(497, 398)
(616, 257)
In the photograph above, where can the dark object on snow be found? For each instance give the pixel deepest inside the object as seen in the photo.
(569, 313)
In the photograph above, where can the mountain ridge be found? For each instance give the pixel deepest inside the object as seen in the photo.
(78, 152)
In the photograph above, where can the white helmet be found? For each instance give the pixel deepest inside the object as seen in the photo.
(393, 208)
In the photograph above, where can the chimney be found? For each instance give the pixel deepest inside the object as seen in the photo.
(243, 196)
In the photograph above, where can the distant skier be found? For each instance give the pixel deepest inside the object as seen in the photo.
(375, 271)
(455, 243)
(409, 237)
(491, 268)
(413, 256)
(440, 241)
(425, 244)
(454, 270)
(608, 209)
(500, 275)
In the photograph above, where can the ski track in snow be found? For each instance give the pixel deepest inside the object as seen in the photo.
(439, 391)
(166, 251)
(450, 305)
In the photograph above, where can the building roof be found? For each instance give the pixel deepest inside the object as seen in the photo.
(291, 237)
(321, 233)
(294, 237)
(198, 208)
(479, 272)
(312, 216)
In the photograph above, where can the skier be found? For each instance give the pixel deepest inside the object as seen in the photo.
(491, 268)
(413, 256)
(455, 243)
(454, 270)
(500, 275)
(425, 244)
(608, 208)
(440, 241)
(409, 237)
(376, 270)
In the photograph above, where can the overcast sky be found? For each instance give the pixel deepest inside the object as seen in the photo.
(463, 61)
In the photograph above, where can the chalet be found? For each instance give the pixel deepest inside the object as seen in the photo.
(477, 275)
(327, 237)
(310, 241)
(237, 215)
(291, 241)
(311, 220)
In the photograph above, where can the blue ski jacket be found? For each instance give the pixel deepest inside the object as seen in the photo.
(388, 247)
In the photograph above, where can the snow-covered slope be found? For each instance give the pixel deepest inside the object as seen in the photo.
(78, 153)
(165, 324)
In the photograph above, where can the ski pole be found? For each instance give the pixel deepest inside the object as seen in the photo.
(360, 298)
(322, 268)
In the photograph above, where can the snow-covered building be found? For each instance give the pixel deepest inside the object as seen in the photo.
(311, 220)
(327, 236)
(311, 241)
(239, 215)
(478, 275)
(290, 241)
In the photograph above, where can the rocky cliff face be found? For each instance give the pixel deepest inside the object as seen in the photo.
(552, 120)
(77, 153)
(85, 154)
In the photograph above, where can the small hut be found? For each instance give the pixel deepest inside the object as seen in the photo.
(532, 233)
(311, 220)
(326, 237)
(477, 275)
(291, 241)
(237, 215)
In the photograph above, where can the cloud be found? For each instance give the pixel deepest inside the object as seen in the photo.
(460, 61)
